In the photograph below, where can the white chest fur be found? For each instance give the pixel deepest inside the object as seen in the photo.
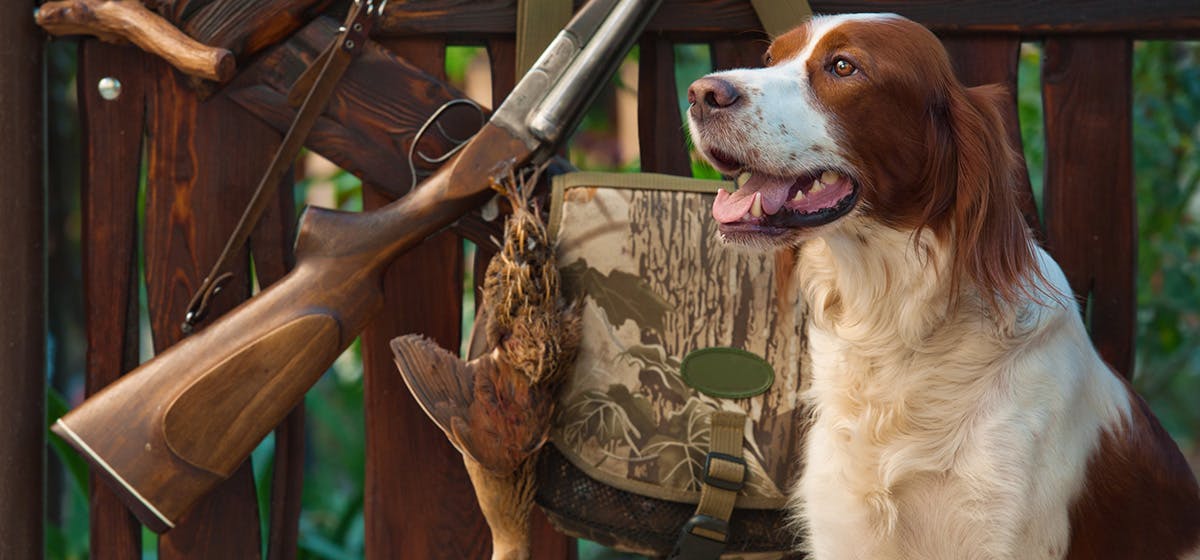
(941, 436)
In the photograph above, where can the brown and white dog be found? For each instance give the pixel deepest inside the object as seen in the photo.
(960, 410)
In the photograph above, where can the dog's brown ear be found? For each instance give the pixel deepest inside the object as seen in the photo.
(975, 199)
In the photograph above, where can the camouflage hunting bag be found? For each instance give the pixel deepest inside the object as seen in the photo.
(691, 365)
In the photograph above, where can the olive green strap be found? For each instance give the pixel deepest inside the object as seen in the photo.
(538, 22)
(780, 16)
(724, 467)
(704, 535)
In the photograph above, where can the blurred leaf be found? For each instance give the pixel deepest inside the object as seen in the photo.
(263, 462)
(458, 58)
(56, 407)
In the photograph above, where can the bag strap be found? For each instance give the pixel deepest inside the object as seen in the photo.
(780, 16)
(332, 63)
(704, 536)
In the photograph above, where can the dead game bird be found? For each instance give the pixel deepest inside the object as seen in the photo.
(496, 409)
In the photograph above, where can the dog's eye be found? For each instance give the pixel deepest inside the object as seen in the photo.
(843, 68)
(768, 59)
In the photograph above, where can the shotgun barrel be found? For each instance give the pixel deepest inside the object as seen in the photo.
(168, 432)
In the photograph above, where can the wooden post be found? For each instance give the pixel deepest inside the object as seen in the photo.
(112, 153)
(1091, 214)
(22, 276)
(419, 501)
(660, 126)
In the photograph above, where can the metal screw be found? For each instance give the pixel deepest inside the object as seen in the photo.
(349, 44)
(358, 27)
(110, 87)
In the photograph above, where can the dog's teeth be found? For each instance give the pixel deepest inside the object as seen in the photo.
(799, 195)
(831, 177)
(756, 208)
(817, 187)
(742, 179)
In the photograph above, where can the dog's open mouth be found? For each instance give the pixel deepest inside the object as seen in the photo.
(768, 204)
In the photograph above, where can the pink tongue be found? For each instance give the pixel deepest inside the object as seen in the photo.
(730, 208)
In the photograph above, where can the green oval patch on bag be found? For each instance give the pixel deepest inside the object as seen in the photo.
(729, 373)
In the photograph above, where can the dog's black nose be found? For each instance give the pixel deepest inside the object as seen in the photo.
(708, 95)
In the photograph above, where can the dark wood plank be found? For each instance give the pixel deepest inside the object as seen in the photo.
(502, 60)
(1033, 17)
(548, 543)
(245, 27)
(660, 126)
(22, 275)
(112, 154)
(743, 52)
(718, 18)
(197, 187)
(1089, 199)
(458, 19)
(419, 501)
(287, 487)
(380, 103)
(992, 59)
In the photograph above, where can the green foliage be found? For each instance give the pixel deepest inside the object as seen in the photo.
(458, 58)
(1166, 123)
(69, 540)
(1029, 111)
(331, 522)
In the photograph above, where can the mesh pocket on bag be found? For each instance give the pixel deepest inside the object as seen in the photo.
(582, 507)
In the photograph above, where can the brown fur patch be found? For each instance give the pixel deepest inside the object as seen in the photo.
(787, 45)
(1140, 499)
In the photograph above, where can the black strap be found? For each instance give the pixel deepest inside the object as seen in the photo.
(332, 64)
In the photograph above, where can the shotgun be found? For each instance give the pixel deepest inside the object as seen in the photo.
(168, 432)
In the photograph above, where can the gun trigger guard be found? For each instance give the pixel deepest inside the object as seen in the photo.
(433, 121)
(198, 308)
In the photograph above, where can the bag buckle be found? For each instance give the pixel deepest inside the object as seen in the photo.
(719, 473)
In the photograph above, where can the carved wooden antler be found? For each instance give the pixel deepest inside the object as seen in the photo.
(120, 21)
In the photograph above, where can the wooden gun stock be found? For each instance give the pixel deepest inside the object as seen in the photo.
(168, 432)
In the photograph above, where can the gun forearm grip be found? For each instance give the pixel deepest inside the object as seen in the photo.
(118, 21)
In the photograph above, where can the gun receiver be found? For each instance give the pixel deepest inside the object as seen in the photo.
(171, 430)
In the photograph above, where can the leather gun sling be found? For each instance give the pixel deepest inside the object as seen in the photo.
(316, 85)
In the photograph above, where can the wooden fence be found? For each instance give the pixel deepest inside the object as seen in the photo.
(203, 158)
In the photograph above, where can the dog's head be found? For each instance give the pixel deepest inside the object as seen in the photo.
(861, 115)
